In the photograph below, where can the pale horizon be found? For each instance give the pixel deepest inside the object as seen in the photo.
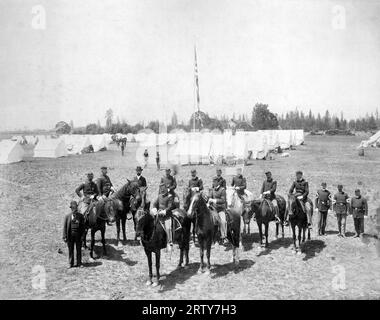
(137, 58)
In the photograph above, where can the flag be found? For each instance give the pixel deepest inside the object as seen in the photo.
(196, 76)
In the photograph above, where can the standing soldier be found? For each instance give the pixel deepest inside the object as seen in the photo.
(217, 199)
(146, 158)
(89, 194)
(301, 187)
(239, 183)
(268, 191)
(358, 209)
(340, 206)
(73, 228)
(104, 183)
(322, 204)
(123, 143)
(139, 178)
(195, 183)
(158, 160)
(171, 184)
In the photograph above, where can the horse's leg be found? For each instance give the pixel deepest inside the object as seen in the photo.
(158, 256)
(123, 223)
(266, 233)
(208, 254)
(103, 231)
(187, 257)
(201, 252)
(308, 234)
(84, 239)
(117, 230)
(134, 225)
(92, 243)
(149, 256)
(299, 239)
(294, 237)
(260, 232)
(304, 235)
(181, 257)
(282, 230)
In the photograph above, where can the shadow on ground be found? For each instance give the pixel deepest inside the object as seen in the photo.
(275, 245)
(311, 248)
(115, 254)
(178, 276)
(221, 270)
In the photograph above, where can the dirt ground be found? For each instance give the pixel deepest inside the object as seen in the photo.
(34, 196)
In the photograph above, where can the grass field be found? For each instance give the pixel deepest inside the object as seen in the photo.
(34, 196)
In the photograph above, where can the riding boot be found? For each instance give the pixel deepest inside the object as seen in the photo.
(286, 218)
(277, 215)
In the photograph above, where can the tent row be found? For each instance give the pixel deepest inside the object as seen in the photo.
(215, 147)
(45, 146)
(373, 141)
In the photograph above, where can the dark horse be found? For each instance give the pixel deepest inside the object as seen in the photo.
(264, 213)
(204, 227)
(100, 213)
(122, 201)
(297, 217)
(153, 234)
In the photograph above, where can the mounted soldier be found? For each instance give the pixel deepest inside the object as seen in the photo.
(163, 208)
(89, 195)
(219, 179)
(195, 183)
(170, 183)
(268, 192)
(104, 184)
(301, 188)
(218, 200)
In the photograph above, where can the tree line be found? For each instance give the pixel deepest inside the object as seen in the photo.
(260, 118)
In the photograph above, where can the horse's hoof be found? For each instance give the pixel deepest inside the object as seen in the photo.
(148, 283)
(186, 266)
(200, 271)
(207, 272)
(155, 284)
(179, 266)
(299, 252)
(91, 260)
(236, 262)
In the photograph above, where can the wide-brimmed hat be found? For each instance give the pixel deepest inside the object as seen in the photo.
(138, 168)
(73, 204)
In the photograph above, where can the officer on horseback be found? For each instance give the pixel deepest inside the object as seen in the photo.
(218, 200)
(104, 184)
(171, 184)
(268, 192)
(239, 183)
(89, 194)
(163, 207)
(195, 183)
(301, 188)
(219, 179)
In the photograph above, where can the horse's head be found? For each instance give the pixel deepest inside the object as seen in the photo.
(141, 218)
(293, 204)
(198, 203)
(233, 199)
(110, 211)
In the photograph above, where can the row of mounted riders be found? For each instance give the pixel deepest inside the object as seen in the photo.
(150, 225)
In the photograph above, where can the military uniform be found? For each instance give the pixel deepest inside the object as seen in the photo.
(195, 182)
(341, 208)
(218, 197)
(240, 182)
(271, 186)
(73, 228)
(104, 185)
(358, 209)
(219, 181)
(323, 204)
(89, 189)
(170, 184)
(301, 187)
(165, 203)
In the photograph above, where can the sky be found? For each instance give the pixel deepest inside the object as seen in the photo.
(137, 57)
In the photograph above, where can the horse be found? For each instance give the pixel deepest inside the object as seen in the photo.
(187, 196)
(246, 212)
(121, 202)
(297, 217)
(264, 213)
(204, 227)
(100, 213)
(153, 238)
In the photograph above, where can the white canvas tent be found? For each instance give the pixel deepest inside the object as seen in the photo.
(10, 152)
(75, 144)
(50, 148)
(373, 141)
(98, 142)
